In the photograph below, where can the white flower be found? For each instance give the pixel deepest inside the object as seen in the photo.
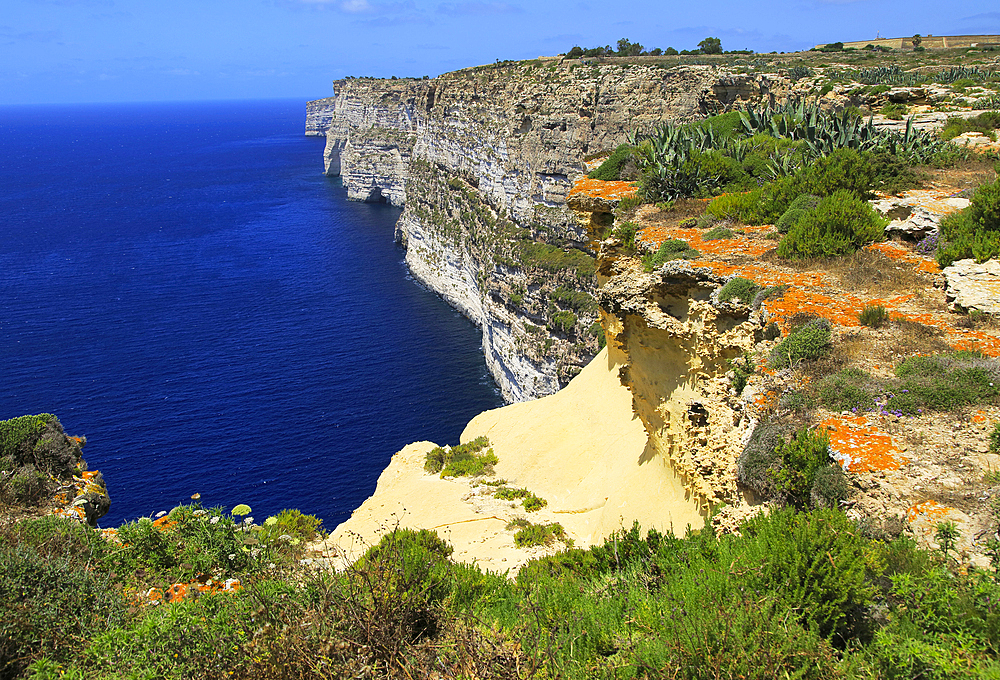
(232, 556)
(214, 520)
(199, 513)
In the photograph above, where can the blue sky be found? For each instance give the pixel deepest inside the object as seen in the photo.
(61, 51)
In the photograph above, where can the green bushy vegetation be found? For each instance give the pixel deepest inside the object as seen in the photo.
(671, 249)
(612, 168)
(464, 460)
(529, 501)
(839, 225)
(975, 231)
(806, 343)
(739, 288)
(804, 594)
(944, 382)
(985, 122)
(873, 316)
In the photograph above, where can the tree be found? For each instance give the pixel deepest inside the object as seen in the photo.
(916, 40)
(628, 49)
(711, 46)
(575, 53)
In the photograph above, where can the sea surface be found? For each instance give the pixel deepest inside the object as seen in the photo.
(183, 286)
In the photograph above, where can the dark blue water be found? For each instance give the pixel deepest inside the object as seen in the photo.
(180, 284)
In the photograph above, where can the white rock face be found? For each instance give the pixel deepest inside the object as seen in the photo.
(483, 160)
(969, 285)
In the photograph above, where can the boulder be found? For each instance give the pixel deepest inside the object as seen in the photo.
(918, 224)
(970, 285)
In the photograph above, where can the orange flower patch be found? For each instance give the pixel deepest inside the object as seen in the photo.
(928, 509)
(596, 188)
(979, 417)
(182, 591)
(861, 448)
(164, 523)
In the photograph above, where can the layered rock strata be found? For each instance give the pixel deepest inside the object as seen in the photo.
(482, 162)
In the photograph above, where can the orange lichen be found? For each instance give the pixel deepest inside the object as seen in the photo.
(929, 509)
(189, 590)
(863, 448)
(596, 188)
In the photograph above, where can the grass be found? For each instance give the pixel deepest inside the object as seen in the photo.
(873, 316)
(464, 460)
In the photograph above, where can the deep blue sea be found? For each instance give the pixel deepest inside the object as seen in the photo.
(183, 286)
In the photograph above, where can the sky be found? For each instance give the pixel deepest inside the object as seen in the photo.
(74, 51)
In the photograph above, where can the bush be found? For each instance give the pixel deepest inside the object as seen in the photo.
(611, 169)
(717, 233)
(626, 233)
(758, 463)
(840, 224)
(799, 208)
(829, 488)
(289, 531)
(533, 503)
(995, 439)
(873, 316)
(893, 111)
(801, 458)
(816, 562)
(464, 456)
(50, 603)
(671, 249)
(529, 534)
(843, 170)
(188, 542)
(945, 381)
(975, 231)
(851, 389)
(739, 288)
(806, 343)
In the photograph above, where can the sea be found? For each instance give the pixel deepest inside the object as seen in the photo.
(182, 285)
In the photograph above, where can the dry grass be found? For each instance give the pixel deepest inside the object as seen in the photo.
(917, 338)
(683, 210)
(866, 270)
(968, 174)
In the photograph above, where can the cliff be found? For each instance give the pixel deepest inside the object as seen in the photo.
(42, 470)
(483, 162)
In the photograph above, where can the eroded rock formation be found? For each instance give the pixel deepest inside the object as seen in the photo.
(482, 161)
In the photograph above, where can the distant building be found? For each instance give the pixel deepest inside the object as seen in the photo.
(930, 42)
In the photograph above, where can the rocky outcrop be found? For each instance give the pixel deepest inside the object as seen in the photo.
(482, 162)
(43, 467)
(678, 343)
(973, 286)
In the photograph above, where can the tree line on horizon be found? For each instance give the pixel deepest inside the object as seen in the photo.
(627, 48)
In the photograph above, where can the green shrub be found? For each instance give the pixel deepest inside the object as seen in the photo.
(798, 209)
(192, 541)
(506, 493)
(739, 288)
(529, 534)
(815, 562)
(873, 316)
(850, 389)
(717, 233)
(533, 503)
(289, 531)
(554, 259)
(944, 382)
(626, 233)
(564, 321)
(801, 458)
(893, 111)
(50, 604)
(611, 169)
(830, 487)
(840, 224)
(995, 439)
(759, 463)
(439, 458)
(975, 231)
(671, 249)
(807, 343)
(843, 170)
(985, 122)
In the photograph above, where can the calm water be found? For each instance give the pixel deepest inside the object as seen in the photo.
(180, 284)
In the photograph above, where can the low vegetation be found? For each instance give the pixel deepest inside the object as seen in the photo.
(464, 460)
(637, 605)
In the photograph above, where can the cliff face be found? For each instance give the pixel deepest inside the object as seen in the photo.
(483, 161)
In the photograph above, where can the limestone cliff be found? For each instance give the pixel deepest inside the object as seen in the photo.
(482, 161)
